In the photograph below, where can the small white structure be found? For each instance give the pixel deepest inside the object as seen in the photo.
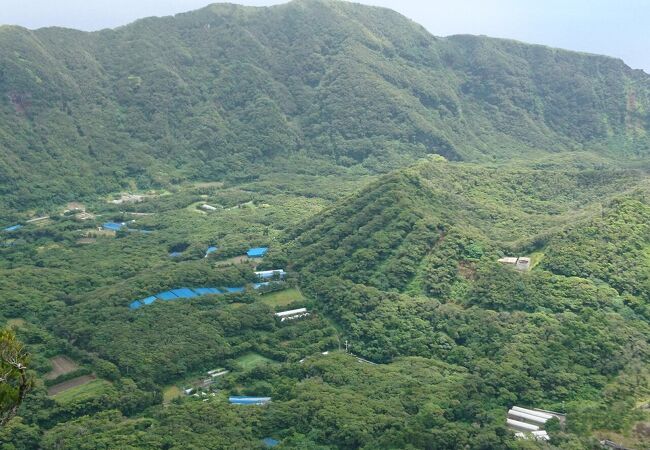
(529, 423)
(532, 418)
(291, 314)
(520, 262)
(521, 426)
(266, 274)
(206, 207)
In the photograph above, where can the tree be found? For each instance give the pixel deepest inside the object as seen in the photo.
(15, 382)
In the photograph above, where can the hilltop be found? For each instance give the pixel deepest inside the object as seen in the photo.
(235, 93)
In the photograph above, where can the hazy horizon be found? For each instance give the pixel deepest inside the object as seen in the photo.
(598, 26)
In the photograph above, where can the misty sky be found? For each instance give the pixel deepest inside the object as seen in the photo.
(618, 28)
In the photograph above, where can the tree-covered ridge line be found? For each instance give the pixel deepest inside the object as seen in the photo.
(231, 93)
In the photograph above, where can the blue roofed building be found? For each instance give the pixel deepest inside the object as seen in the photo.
(13, 228)
(234, 290)
(135, 305)
(183, 293)
(148, 300)
(167, 295)
(259, 285)
(257, 252)
(249, 400)
(211, 249)
(113, 226)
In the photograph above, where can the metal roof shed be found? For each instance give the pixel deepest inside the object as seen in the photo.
(257, 252)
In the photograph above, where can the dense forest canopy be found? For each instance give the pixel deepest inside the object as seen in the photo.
(228, 92)
(387, 171)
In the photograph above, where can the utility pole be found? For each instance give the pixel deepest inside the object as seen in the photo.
(346, 346)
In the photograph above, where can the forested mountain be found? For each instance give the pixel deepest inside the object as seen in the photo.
(231, 92)
(386, 171)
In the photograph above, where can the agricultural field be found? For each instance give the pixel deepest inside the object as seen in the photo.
(81, 389)
(282, 298)
(60, 366)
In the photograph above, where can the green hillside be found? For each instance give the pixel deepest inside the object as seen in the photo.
(386, 170)
(230, 92)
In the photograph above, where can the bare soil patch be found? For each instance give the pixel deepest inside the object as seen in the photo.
(60, 366)
(53, 390)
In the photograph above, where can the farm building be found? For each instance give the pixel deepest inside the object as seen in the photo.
(234, 290)
(529, 423)
(257, 252)
(292, 314)
(260, 285)
(180, 293)
(113, 226)
(206, 207)
(520, 263)
(249, 400)
(266, 274)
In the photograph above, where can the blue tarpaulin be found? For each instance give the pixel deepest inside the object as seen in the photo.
(183, 293)
(270, 442)
(211, 250)
(13, 228)
(206, 291)
(249, 400)
(257, 252)
(233, 290)
(113, 226)
(148, 300)
(167, 295)
(135, 305)
(175, 254)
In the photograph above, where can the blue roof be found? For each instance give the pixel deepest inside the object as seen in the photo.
(211, 250)
(175, 254)
(202, 291)
(248, 400)
(13, 228)
(270, 442)
(259, 285)
(148, 300)
(183, 293)
(114, 226)
(233, 290)
(206, 291)
(257, 252)
(167, 295)
(135, 305)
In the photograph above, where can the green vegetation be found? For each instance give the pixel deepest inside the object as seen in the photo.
(310, 87)
(250, 360)
(85, 392)
(316, 128)
(282, 298)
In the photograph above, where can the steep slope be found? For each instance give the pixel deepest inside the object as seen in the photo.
(229, 92)
(420, 228)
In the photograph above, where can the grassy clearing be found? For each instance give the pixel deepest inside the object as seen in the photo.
(171, 392)
(84, 392)
(250, 360)
(16, 323)
(282, 298)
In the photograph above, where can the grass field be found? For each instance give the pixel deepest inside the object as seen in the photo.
(15, 323)
(84, 391)
(170, 393)
(282, 298)
(250, 360)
